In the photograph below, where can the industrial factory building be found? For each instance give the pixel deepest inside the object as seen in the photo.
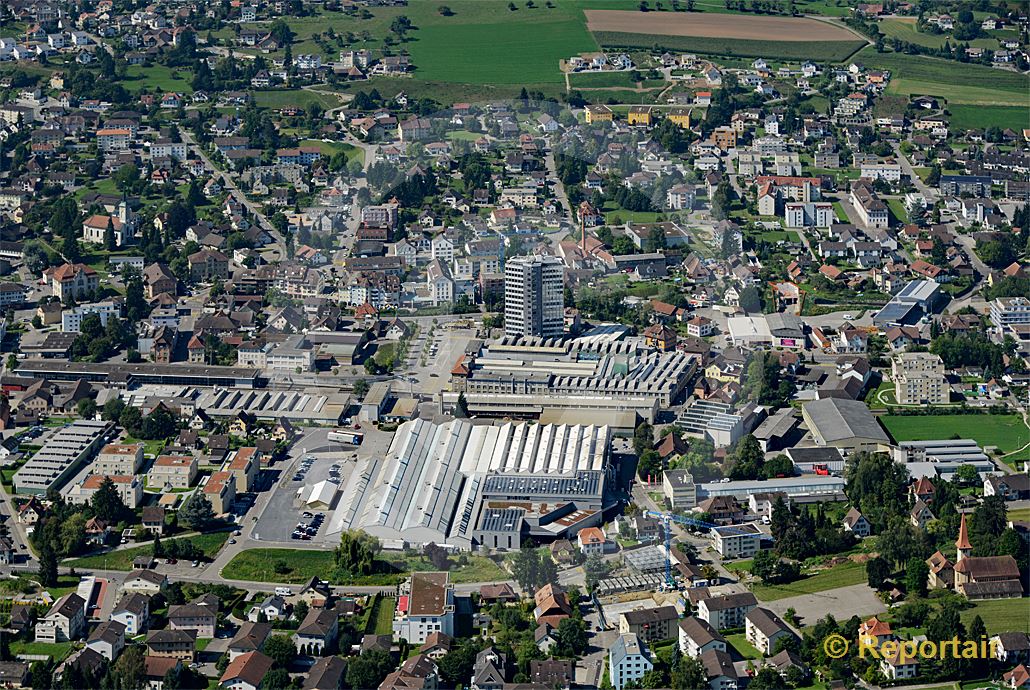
(527, 377)
(462, 484)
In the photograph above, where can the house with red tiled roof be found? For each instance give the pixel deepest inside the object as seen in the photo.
(591, 541)
(830, 272)
(72, 281)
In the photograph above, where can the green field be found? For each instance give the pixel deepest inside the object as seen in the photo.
(904, 29)
(328, 148)
(954, 81)
(820, 581)
(1005, 431)
(601, 80)
(301, 565)
(979, 116)
(122, 559)
(300, 97)
(823, 51)
(157, 78)
(502, 53)
(1001, 615)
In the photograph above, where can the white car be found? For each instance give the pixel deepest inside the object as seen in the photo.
(848, 317)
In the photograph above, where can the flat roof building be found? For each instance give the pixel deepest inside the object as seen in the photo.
(441, 482)
(61, 456)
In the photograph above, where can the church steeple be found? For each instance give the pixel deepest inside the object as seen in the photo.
(962, 545)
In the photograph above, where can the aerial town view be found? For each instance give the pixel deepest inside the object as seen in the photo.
(514, 345)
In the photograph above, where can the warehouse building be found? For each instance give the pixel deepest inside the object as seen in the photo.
(826, 488)
(844, 424)
(465, 485)
(775, 330)
(312, 405)
(524, 377)
(61, 456)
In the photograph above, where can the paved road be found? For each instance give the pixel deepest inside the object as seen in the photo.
(230, 182)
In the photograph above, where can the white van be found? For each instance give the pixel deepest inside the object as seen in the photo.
(283, 591)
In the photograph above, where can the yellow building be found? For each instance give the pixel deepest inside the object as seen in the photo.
(598, 113)
(679, 116)
(640, 115)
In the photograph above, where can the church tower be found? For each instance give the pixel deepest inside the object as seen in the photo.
(962, 545)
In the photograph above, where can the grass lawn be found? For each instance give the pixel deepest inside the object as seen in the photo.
(157, 78)
(978, 116)
(122, 559)
(743, 647)
(328, 148)
(280, 98)
(1000, 615)
(301, 565)
(1020, 514)
(596, 80)
(819, 581)
(1005, 431)
(382, 623)
(56, 650)
(620, 216)
(898, 210)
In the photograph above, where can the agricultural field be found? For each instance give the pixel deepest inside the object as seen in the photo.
(745, 35)
(954, 81)
(1007, 432)
(978, 116)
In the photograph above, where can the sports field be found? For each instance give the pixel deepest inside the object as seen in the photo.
(1006, 431)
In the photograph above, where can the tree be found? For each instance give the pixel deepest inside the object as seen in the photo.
(524, 568)
(113, 409)
(688, 674)
(47, 566)
(649, 465)
(356, 554)
(916, 574)
(277, 679)
(751, 299)
(767, 678)
(107, 504)
(877, 572)
(197, 513)
(461, 407)
(456, 666)
(595, 569)
(86, 408)
(643, 437)
(572, 637)
(281, 650)
(749, 459)
(369, 669)
(131, 667)
(110, 243)
(300, 611)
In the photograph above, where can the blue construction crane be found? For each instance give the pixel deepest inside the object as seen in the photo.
(666, 519)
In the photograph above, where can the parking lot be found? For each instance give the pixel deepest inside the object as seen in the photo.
(284, 516)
